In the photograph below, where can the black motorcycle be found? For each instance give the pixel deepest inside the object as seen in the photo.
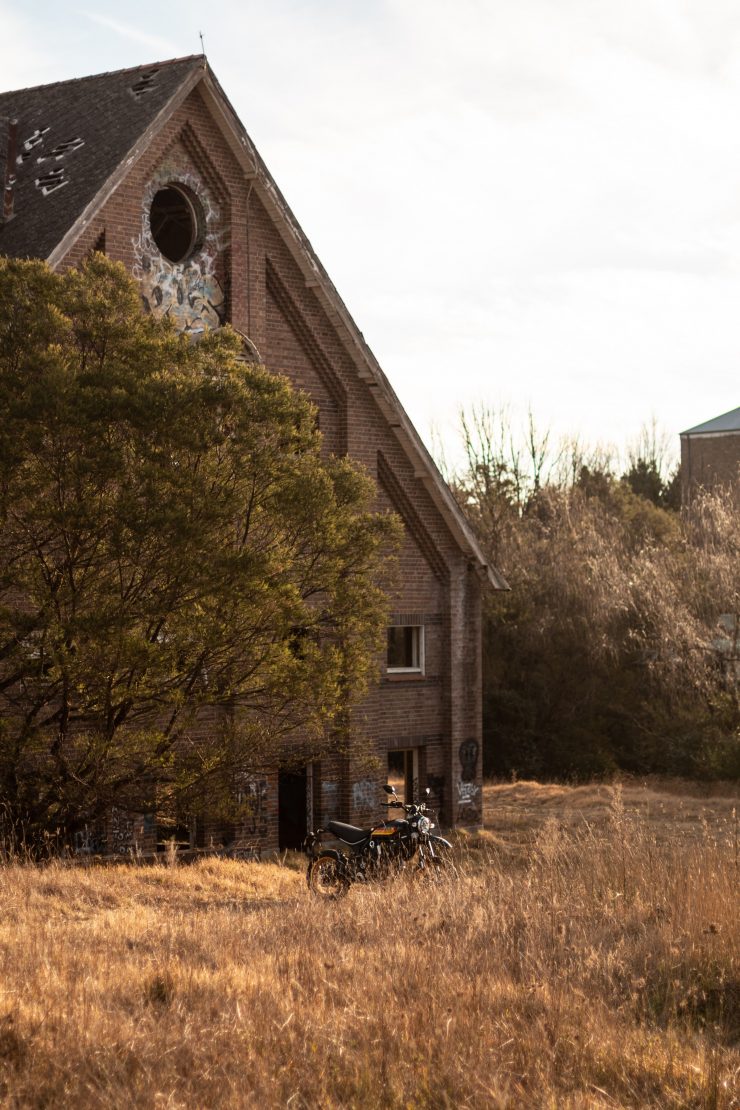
(368, 855)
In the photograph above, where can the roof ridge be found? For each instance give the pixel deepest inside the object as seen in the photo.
(108, 73)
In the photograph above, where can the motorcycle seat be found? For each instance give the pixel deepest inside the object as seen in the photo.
(350, 834)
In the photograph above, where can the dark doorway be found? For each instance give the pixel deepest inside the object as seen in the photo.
(292, 786)
(403, 772)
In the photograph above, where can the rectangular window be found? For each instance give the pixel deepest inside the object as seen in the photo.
(406, 648)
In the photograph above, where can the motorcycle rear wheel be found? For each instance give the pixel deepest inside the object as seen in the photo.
(325, 879)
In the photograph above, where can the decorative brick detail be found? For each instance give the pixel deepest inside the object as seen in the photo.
(408, 513)
(308, 341)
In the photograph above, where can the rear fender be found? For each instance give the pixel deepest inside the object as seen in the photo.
(312, 843)
(338, 856)
(321, 853)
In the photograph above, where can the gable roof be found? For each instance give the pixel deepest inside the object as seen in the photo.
(728, 422)
(115, 115)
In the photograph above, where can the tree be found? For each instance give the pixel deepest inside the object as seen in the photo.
(189, 590)
(649, 473)
(605, 653)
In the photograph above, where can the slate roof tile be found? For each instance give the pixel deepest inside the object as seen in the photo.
(728, 422)
(72, 136)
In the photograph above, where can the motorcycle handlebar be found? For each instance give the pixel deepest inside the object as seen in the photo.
(404, 805)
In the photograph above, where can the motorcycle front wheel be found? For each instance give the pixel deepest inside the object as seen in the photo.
(325, 878)
(440, 865)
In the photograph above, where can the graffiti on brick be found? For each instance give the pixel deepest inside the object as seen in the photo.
(187, 292)
(468, 760)
(364, 794)
(88, 841)
(190, 297)
(252, 796)
(468, 791)
(120, 832)
(329, 800)
(248, 852)
(468, 802)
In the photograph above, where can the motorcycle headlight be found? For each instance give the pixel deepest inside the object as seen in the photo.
(424, 825)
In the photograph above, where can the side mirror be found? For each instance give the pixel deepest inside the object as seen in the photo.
(389, 789)
(427, 792)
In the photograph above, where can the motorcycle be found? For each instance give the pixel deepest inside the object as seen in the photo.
(373, 854)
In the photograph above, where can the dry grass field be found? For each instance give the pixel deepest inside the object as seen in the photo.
(588, 955)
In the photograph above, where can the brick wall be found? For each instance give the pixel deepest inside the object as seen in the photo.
(268, 298)
(709, 460)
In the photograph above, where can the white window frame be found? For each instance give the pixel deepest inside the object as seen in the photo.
(419, 668)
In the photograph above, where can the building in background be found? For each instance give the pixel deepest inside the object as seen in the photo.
(152, 166)
(710, 455)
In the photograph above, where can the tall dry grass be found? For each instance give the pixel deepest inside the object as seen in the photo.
(601, 969)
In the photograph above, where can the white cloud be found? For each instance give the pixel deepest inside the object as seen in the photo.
(166, 47)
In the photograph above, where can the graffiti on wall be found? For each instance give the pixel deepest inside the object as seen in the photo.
(187, 292)
(329, 800)
(252, 796)
(88, 842)
(120, 832)
(364, 794)
(248, 852)
(468, 791)
(468, 760)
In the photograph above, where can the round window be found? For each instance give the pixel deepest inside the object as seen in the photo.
(174, 221)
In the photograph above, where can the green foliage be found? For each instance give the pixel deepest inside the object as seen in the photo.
(604, 654)
(168, 523)
(644, 478)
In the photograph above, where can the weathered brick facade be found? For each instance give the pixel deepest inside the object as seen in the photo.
(254, 268)
(709, 459)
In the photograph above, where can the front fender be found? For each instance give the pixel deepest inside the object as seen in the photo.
(439, 841)
(312, 844)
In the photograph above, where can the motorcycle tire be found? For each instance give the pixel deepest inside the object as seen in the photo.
(325, 879)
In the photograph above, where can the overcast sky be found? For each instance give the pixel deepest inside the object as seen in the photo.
(534, 202)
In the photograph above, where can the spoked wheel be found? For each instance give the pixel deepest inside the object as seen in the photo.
(325, 878)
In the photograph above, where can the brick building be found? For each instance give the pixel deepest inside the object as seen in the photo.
(710, 454)
(152, 166)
